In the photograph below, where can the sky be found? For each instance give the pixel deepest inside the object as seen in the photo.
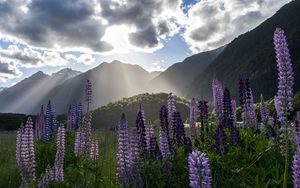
(50, 35)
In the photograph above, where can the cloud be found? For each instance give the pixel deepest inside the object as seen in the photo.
(55, 24)
(212, 23)
(71, 25)
(28, 57)
(85, 25)
(86, 59)
(8, 71)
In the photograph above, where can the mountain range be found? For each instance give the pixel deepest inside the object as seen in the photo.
(251, 54)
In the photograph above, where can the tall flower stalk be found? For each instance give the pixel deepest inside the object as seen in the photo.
(199, 170)
(88, 94)
(25, 153)
(284, 97)
(171, 109)
(217, 89)
(193, 118)
(203, 110)
(123, 167)
(60, 154)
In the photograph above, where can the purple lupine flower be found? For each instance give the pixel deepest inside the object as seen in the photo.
(228, 119)
(193, 118)
(227, 110)
(203, 110)
(88, 94)
(249, 115)
(83, 136)
(296, 157)
(78, 115)
(135, 150)
(199, 170)
(264, 111)
(60, 154)
(123, 150)
(77, 145)
(171, 108)
(164, 145)
(74, 117)
(221, 143)
(141, 131)
(48, 130)
(25, 154)
(285, 75)
(149, 135)
(164, 122)
(178, 129)
(94, 150)
(243, 87)
(69, 119)
(218, 97)
(234, 116)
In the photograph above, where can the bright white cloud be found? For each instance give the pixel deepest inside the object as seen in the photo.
(86, 59)
(28, 57)
(214, 23)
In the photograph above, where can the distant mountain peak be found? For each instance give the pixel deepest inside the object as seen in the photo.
(66, 71)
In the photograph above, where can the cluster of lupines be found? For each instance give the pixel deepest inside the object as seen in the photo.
(296, 157)
(164, 122)
(40, 124)
(199, 170)
(74, 116)
(50, 123)
(25, 154)
(60, 154)
(217, 89)
(247, 103)
(83, 136)
(193, 118)
(88, 94)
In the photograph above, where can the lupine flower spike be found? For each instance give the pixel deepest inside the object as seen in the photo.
(88, 94)
(217, 89)
(123, 150)
(60, 154)
(193, 118)
(199, 170)
(284, 98)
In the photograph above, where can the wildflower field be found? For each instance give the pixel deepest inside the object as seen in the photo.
(230, 146)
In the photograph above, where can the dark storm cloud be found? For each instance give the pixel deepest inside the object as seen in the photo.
(68, 23)
(145, 38)
(7, 69)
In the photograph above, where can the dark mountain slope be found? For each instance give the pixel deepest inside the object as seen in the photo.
(253, 54)
(177, 76)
